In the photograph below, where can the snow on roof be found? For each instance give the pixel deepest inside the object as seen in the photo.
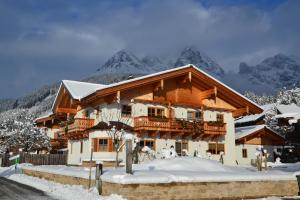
(78, 89)
(48, 114)
(286, 115)
(290, 108)
(241, 132)
(176, 69)
(251, 118)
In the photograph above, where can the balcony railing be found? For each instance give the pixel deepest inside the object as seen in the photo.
(166, 124)
(79, 125)
(163, 124)
(213, 128)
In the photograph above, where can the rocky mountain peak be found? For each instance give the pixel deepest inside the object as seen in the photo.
(191, 55)
(123, 62)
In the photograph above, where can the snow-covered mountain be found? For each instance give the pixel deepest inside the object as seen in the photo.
(276, 72)
(191, 55)
(155, 63)
(124, 62)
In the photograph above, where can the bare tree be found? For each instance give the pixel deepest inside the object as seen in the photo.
(116, 129)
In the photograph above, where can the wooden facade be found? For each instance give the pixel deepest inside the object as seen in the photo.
(263, 136)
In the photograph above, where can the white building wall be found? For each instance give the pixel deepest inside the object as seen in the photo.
(112, 112)
(251, 149)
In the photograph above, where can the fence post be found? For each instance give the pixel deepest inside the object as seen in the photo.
(128, 155)
(99, 172)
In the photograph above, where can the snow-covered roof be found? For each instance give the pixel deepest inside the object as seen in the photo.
(79, 90)
(290, 108)
(241, 132)
(252, 118)
(48, 114)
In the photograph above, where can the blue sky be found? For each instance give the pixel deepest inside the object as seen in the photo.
(42, 42)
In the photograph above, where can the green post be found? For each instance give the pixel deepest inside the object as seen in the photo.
(298, 180)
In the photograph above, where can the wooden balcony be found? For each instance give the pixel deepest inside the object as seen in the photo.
(176, 125)
(210, 128)
(79, 125)
(163, 124)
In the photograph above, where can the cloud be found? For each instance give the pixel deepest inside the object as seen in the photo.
(70, 39)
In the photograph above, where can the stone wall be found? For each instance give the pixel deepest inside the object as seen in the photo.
(205, 190)
(59, 178)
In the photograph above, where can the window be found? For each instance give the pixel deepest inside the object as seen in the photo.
(151, 112)
(156, 112)
(216, 148)
(180, 146)
(81, 146)
(87, 113)
(220, 118)
(148, 143)
(126, 110)
(160, 112)
(244, 152)
(102, 145)
(199, 115)
(191, 115)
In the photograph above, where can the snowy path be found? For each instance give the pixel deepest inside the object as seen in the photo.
(12, 190)
(50, 189)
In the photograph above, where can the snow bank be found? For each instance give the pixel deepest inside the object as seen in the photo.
(80, 172)
(190, 170)
(183, 164)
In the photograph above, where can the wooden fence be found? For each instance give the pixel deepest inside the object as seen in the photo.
(37, 159)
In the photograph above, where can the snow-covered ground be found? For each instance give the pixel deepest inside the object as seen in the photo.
(194, 170)
(181, 169)
(55, 190)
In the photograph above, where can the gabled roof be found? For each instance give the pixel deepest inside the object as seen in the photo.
(44, 117)
(255, 117)
(82, 91)
(79, 90)
(245, 131)
(162, 73)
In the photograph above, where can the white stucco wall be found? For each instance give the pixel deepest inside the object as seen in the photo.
(112, 112)
(251, 149)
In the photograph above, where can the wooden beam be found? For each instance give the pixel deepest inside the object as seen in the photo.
(118, 95)
(159, 85)
(190, 77)
(186, 78)
(162, 84)
(240, 111)
(66, 110)
(208, 93)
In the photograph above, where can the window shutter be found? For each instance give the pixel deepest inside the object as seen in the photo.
(110, 145)
(95, 144)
